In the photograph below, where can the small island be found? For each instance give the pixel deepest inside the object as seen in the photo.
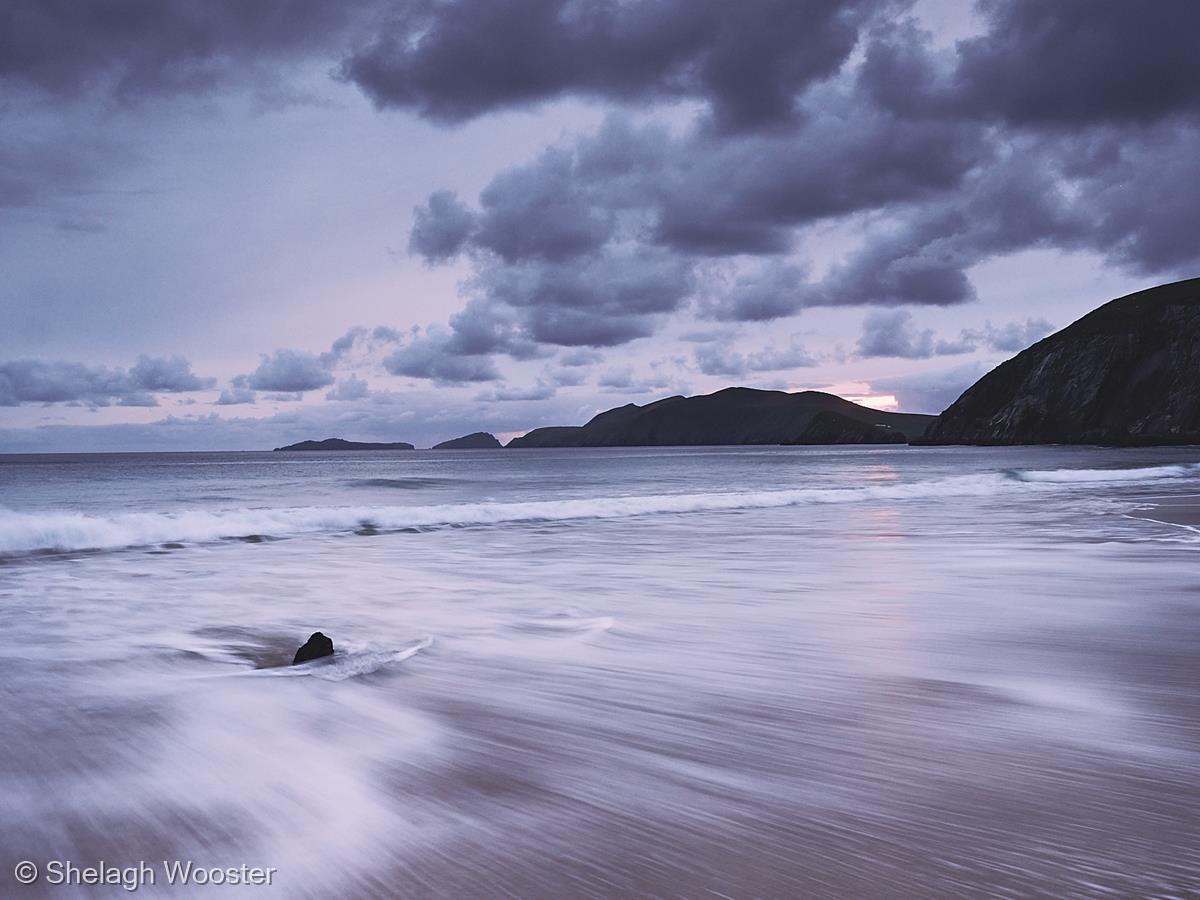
(340, 444)
(479, 440)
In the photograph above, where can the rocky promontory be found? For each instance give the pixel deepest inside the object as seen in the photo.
(479, 440)
(1127, 373)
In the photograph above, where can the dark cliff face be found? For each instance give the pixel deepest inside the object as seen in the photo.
(734, 416)
(479, 440)
(1126, 373)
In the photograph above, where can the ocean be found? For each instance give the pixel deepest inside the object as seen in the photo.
(716, 672)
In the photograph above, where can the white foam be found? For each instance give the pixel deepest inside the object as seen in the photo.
(1092, 476)
(347, 664)
(22, 532)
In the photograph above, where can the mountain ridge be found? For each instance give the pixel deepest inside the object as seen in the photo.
(734, 416)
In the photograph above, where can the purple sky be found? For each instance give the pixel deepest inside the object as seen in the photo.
(230, 225)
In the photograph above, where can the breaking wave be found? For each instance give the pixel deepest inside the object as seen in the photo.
(1093, 476)
(22, 533)
(29, 532)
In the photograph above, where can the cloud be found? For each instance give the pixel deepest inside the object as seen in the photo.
(352, 388)
(721, 359)
(580, 357)
(440, 227)
(430, 57)
(289, 371)
(931, 391)
(1079, 62)
(892, 333)
(238, 392)
(436, 356)
(134, 50)
(542, 390)
(170, 375)
(39, 381)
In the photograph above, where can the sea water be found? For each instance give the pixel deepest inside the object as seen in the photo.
(719, 672)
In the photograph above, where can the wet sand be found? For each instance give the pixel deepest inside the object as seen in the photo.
(1181, 511)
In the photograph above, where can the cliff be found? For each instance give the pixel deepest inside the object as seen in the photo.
(1127, 373)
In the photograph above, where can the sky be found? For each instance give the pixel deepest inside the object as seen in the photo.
(231, 225)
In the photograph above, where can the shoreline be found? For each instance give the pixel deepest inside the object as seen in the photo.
(1179, 512)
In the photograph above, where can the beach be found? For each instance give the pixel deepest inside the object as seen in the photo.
(726, 672)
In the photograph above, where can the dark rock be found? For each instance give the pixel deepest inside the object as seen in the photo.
(480, 440)
(735, 416)
(834, 428)
(314, 648)
(340, 444)
(1125, 374)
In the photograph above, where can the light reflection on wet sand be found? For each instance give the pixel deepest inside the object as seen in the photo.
(914, 699)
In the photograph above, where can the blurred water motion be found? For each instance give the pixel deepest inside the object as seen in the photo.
(751, 672)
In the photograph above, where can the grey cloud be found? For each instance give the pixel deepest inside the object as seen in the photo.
(540, 391)
(624, 381)
(433, 355)
(352, 388)
(890, 332)
(775, 291)
(39, 381)
(567, 377)
(289, 371)
(440, 227)
(541, 211)
(170, 375)
(1078, 62)
(238, 392)
(134, 49)
(580, 357)
(749, 66)
(719, 359)
(1012, 336)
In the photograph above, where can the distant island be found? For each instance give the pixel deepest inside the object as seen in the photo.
(1126, 374)
(340, 444)
(480, 440)
(735, 415)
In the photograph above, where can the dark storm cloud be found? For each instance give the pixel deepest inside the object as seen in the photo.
(909, 142)
(1082, 62)
(289, 371)
(452, 61)
(39, 381)
(134, 48)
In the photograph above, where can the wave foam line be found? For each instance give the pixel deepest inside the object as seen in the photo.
(1094, 476)
(22, 533)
